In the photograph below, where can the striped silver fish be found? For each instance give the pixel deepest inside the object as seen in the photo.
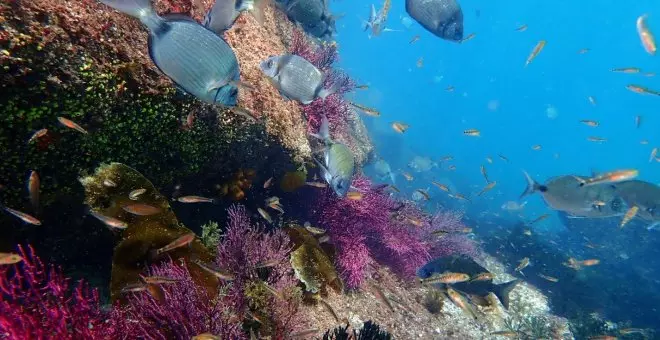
(338, 165)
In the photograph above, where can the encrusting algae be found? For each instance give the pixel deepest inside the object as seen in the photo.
(145, 233)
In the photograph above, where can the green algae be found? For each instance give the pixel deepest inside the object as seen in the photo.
(144, 233)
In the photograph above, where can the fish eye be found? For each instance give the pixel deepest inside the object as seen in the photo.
(270, 63)
(233, 92)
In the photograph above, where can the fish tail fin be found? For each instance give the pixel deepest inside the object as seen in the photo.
(532, 186)
(139, 9)
(503, 290)
(324, 93)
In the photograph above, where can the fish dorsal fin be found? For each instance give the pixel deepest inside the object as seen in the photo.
(283, 60)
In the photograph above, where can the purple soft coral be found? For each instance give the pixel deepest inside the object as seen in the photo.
(36, 302)
(379, 229)
(187, 310)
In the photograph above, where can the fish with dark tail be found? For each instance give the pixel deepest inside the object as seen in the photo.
(443, 18)
(196, 58)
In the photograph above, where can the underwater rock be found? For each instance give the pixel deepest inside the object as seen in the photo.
(144, 233)
(310, 262)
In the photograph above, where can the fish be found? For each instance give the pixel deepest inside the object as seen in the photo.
(324, 239)
(10, 258)
(537, 147)
(466, 265)
(111, 222)
(443, 18)
(513, 206)
(37, 134)
(196, 199)
(224, 12)
(472, 132)
(29, 219)
(296, 78)
(446, 158)
(383, 170)
(602, 337)
(482, 277)
(217, 272)
(265, 215)
(460, 197)
(135, 194)
(638, 121)
(645, 35)
(447, 277)
(394, 187)
(158, 280)
(269, 263)
(609, 177)
(583, 50)
(420, 62)
(71, 125)
(535, 52)
(539, 219)
(400, 127)
(626, 70)
(460, 301)
(450, 88)
(642, 90)
(276, 293)
(628, 331)
(314, 230)
(206, 336)
(362, 87)
(469, 37)
(109, 183)
(592, 100)
(549, 278)
(653, 156)
(354, 195)
(141, 209)
(564, 193)
(487, 188)
(441, 186)
(596, 139)
(193, 56)
(522, 264)
(484, 173)
(268, 183)
(630, 214)
(338, 165)
(503, 157)
(377, 20)
(134, 288)
(422, 164)
(33, 185)
(489, 160)
(414, 39)
(521, 28)
(316, 184)
(588, 122)
(369, 111)
(274, 203)
(179, 242)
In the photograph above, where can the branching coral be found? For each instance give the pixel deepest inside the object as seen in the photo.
(379, 229)
(37, 302)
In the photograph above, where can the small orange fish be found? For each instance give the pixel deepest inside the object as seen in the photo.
(539, 219)
(645, 35)
(354, 195)
(626, 70)
(33, 189)
(420, 62)
(179, 242)
(522, 264)
(217, 272)
(400, 127)
(483, 277)
(10, 258)
(22, 216)
(205, 336)
(195, 199)
(38, 134)
(521, 28)
(268, 183)
(642, 90)
(489, 160)
(393, 187)
(447, 277)
(644, 141)
(630, 214)
(484, 173)
(158, 280)
(407, 176)
(362, 87)
(369, 111)
(71, 125)
(487, 188)
(451, 167)
(502, 157)
(424, 193)
(447, 158)
(109, 221)
(440, 186)
(590, 262)
(460, 197)
(316, 184)
(588, 122)
(141, 209)
(535, 52)
(609, 177)
(134, 195)
(472, 132)
(537, 147)
(649, 74)
(414, 39)
(549, 278)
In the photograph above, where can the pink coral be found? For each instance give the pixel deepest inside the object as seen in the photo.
(378, 229)
(36, 302)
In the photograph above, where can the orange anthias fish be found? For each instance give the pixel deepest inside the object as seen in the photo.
(535, 52)
(10, 258)
(354, 195)
(609, 177)
(487, 188)
(33, 190)
(630, 214)
(653, 156)
(447, 277)
(141, 209)
(109, 221)
(440, 186)
(71, 125)
(645, 35)
(484, 173)
(592, 100)
(195, 199)
(181, 241)
(38, 134)
(642, 90)
(400, 127)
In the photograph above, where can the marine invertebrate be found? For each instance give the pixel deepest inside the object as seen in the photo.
(37, 302)
(379, 229)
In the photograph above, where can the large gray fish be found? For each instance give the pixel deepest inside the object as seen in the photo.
(306, 12)
(644, 195)
(194, 57)
(422, 164)
(338, 165)
(296, 78)
(564, 193)
(383, 170)
(466, 265)
(444, 18)
(224, 12)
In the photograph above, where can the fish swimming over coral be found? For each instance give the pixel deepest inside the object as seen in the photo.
(197, 59)
(224, 12)
(383, 170)
(443, 18)
(296, 78)
(338, 166)
(312, 15)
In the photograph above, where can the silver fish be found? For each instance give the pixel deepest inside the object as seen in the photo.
(443, 18)
(224, 12)
(564, 193)
(645, 196)
(384, 170)
(296, 78)
(306, 12)
(338, 165)
(194, 57)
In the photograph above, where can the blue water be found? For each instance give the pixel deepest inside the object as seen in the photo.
(489, 69)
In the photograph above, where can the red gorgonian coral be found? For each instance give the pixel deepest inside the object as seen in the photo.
(378, 229)
(37, 302)
(187, 309)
